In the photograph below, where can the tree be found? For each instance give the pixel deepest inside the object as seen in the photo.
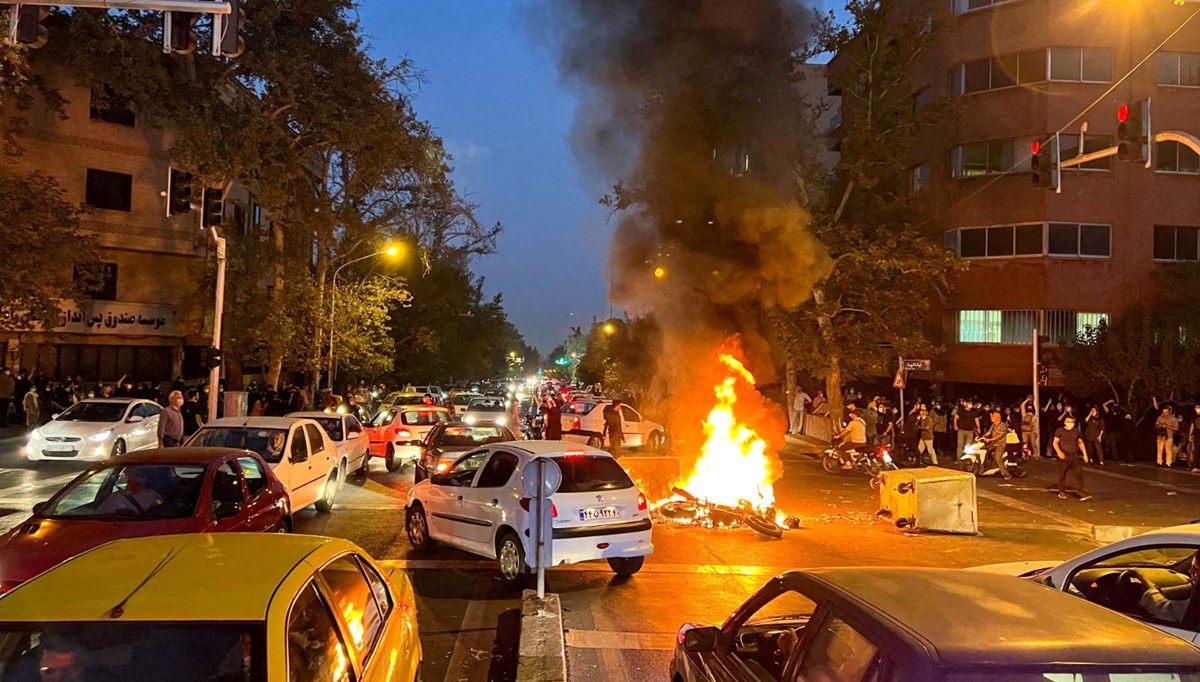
(886, 273)
(622, 355)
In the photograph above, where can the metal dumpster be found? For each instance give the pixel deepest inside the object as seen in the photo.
(930, 498)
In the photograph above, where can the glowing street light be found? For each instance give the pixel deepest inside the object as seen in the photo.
(391, 251)
(609, 329)
(660, 272)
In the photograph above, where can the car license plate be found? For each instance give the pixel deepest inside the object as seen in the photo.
(58, 453)
(593, 513)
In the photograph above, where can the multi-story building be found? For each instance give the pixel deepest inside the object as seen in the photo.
(153, 313)
(1018, 71)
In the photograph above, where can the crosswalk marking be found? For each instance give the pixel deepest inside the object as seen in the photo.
(606, 639)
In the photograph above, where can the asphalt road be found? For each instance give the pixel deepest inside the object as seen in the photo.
(623, 629)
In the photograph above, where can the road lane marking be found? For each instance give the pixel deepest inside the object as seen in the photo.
(1036, 510)
(1153, 484)
(607, 639)
(471, 635)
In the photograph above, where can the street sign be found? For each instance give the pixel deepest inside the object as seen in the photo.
(898, 382)
(915, 365)
(541, 479)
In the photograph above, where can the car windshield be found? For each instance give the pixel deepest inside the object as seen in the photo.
(268, 443)
(406, 399)
(484, 405)
(144, 651)
(419, 417)
(579, 408)
(464, 399)
(332, 426)
(93, 412)
(383, 418)
(1077, 674)
(470, 436)
(134, 491)
(589, 473)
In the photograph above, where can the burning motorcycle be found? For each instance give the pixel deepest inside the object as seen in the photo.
(870, 460)
(689, 509)
(977, 460)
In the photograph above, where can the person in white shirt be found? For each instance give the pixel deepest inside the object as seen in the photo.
(799, 405)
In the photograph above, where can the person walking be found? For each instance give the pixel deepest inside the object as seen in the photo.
(966, 423)
(925, 426)
(1093, 435)
(7, 386)
(1165, 428)
(30, 405)
(613, 428)
(800, 405)
(1068, 446)
(170, 422)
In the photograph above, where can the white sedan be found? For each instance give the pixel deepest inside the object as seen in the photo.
(96, 429)
(478, 505)
(583, 422)
(1150, 577)
(347, 435)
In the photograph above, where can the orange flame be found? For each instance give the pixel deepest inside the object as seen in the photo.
(734, 464)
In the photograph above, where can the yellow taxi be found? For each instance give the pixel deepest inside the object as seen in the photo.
(230, 607)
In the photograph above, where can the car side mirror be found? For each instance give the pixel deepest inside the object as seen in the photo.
(37, 508)
(56, 415)
(225, 510)
(701, 640)
(134, 419)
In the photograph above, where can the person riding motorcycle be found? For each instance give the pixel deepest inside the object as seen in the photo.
(995, 442)
(853, 437)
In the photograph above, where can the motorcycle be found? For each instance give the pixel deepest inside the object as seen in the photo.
(870, 460)
(977, 460)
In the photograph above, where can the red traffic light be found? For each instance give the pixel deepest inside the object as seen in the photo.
(1035, 147)
(1122, 113)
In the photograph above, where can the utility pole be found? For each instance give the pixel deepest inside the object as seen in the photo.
(1037, 406)
(214, 375)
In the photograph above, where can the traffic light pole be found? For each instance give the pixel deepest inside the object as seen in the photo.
(1037, 396)
(214, 376)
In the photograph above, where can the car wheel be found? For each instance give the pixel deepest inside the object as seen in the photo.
(595, 442)
(626, 566)
(390, 458)
(417, 527)
(655, 442)
(325, 504)
(285, 526)
(365, 468)
(510, 555)
(118, 448)
(342, 467)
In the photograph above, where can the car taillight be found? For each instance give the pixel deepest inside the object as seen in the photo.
(575, 423)
(526, 503)
(642, 506)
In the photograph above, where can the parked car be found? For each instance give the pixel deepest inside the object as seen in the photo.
(478, 505)
(96, 429)
(298, 451)
(436, 391)
(153, 492)
(446, 442)
(396, 433)
(196, 608)
(402, 398)
(583, 422)
(931, 625)
(460, 401)
(348, 438)
(1118, 576)
(487, 410)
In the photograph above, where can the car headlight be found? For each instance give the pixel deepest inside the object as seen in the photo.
(102, 436)
(35, 434)
(470, 419)
(502, 421)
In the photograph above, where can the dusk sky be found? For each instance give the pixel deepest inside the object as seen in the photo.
(494, 96)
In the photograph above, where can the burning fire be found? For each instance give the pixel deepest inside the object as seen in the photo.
(734, 465)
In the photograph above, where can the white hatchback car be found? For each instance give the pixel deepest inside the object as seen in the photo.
(478, 505)
(583, 422)
(96, 429)
(298, 451)
(1118, 575)
(347, 435)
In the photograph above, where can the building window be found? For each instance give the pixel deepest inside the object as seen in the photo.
(1063, 327)
(1003, 71)
(1172, 157)
(979, 326)
(108, 106)
(1081, 64)
(1179, 68)
(1071, 239)
(104, 289)
(1069, 149)
(963, 6)
(1175, 243)
(918, 178)
(996, 242)
(109, 190)
(1015, 327)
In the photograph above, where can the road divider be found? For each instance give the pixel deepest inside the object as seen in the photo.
(543, 653)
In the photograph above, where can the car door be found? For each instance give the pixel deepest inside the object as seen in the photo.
(262, 514)
(352, 430)
(355, 607)
(304, 486)
(227, 499)
(631, 426)
(445, 495)
(737, 655)
(134, 429)
(153, 412)
(316, 645)
(837, 648)
(483, 505)
(321, 453)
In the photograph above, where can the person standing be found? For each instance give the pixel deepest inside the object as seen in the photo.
(193, 417)
(7, 386)
(925, 427)
(613, 428)
(941, 425)
(800, 404)
(1193, 430)
(1165, 428)
(966, 423)
(1068, 446)
(30, 404)
(1093, 435)
(552, 418)
(20, 387)
(170, 422)
(1029, 427)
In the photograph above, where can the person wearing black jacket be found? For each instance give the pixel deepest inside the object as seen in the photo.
(552, 417)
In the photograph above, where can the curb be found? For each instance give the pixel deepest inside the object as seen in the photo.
(1107, 534)
(543, 654)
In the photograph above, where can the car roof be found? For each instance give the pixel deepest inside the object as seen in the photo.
(315, 415)
(169, 577)
(547, 448)
(1192, 530)
(975, 619)
(253, 422)
(177, 455)
(123, 401)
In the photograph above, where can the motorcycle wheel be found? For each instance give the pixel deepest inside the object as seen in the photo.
(1019, 472)
(969, 466)
(876, 481)
(830, 463)
(764, 526)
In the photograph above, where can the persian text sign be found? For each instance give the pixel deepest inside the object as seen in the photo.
(112, 317)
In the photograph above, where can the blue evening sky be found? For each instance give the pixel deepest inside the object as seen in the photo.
(494, 96)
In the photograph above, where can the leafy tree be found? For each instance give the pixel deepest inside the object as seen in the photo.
(886, 273)
(623, 360)
(572, 350)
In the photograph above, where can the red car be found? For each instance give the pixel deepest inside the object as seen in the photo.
(151, 492)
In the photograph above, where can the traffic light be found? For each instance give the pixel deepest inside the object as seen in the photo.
(214, 207)
(210, 357)
(1043, 161)
(27, 28)
(181, 27)
(1134, 134)
(179, 192)
(232, 43)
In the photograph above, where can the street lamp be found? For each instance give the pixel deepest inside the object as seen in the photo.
(609, 329)
(392, 250)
